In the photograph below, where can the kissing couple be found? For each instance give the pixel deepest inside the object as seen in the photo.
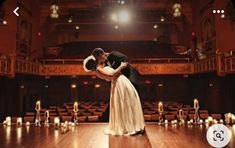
(126, 114)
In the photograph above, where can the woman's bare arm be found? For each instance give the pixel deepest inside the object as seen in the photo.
(102, 76)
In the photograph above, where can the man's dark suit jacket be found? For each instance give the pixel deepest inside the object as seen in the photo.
(115, 58)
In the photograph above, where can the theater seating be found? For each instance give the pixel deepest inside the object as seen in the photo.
(94, 111)
(88, 111)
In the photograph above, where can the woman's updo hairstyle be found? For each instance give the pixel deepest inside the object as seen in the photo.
(89, 64)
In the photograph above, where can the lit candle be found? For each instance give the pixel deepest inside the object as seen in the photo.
(210, 120)
(4, 122)
(191, 120)
(176, 121)
(221, 121)
(19, 121)
(38, 106)
(8, 121)
(47, 114)
(56, 122)
(215, 121)
(160, 107)
(200, 121)
(229, 118)
(27, 123)
(180, 112)
(75, 107)
(166, 121)
(233, 119)
(73, 124)
(196, 104)
(182, 121)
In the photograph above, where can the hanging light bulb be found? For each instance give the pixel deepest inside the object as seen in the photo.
(54, 11)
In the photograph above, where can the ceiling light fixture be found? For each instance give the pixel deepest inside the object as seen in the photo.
(176, 9)
(54, 11)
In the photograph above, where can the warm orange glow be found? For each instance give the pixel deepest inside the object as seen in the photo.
(97, 85)
(73, 85)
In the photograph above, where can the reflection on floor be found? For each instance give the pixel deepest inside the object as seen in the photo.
(91, 135)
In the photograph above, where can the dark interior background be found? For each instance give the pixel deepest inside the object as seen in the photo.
(214, 93)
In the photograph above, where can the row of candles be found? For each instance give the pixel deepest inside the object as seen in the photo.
(19, 122)
(229, 117)
(47, 115)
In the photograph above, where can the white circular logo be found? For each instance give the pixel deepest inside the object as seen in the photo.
(218, 135)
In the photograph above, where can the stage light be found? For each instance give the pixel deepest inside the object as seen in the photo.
(222, 11)
(4, 22)
(73, 85)
(122, 2)
(77, 27)
(46, 86)
(21, 86)
(155, 26)
(218, 11)
(123, 16)
(214, 11)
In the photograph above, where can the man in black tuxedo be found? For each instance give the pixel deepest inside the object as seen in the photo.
(114, 59)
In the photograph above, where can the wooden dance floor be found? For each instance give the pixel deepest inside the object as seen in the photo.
(90, 135)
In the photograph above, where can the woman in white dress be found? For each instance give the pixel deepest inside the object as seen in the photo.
(126, 115)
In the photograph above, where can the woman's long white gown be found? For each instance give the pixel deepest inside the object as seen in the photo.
(126, 114)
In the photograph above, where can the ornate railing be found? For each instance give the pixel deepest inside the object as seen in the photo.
(205, 65)
(27, 67)
(223, 64)
(229, 64)
(147, 60)
(7, 66)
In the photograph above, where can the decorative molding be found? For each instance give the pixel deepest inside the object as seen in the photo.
(144, 69)
(62, 70)
(164, 68)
